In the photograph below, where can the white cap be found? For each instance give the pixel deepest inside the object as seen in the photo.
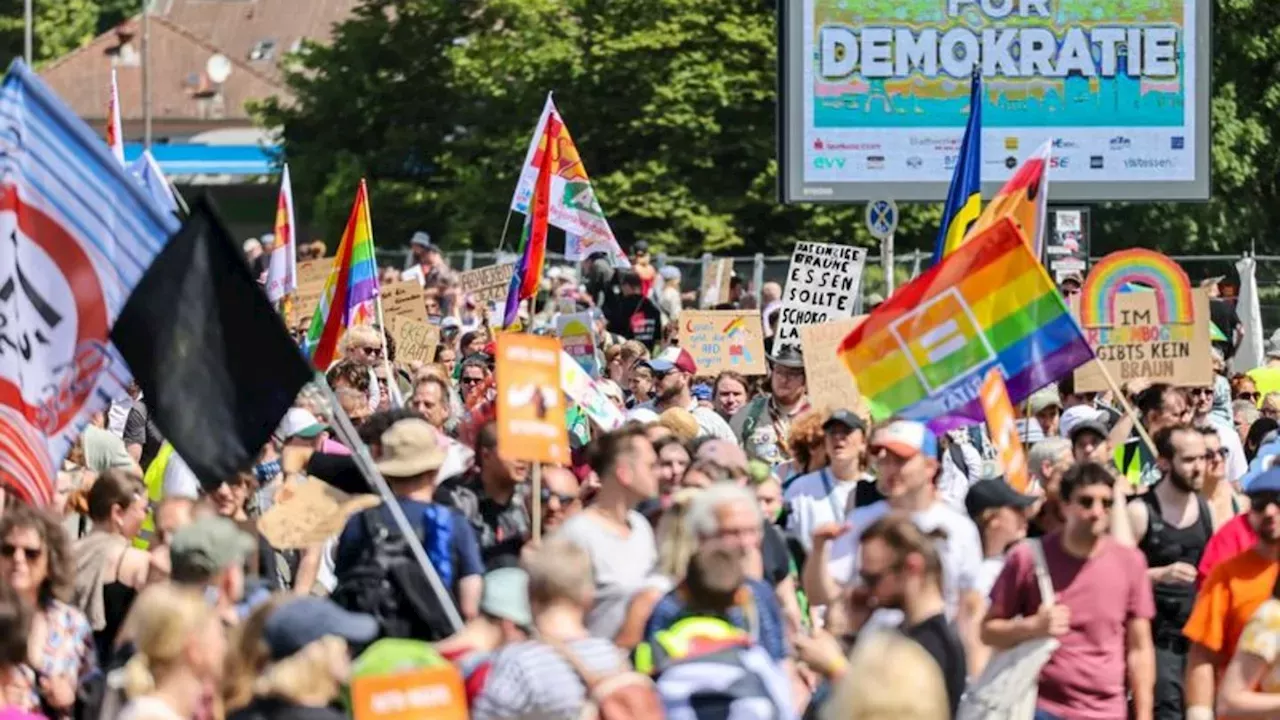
(1073, 416)
(300, 422)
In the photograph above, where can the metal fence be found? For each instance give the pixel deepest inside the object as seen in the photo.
(759, 269)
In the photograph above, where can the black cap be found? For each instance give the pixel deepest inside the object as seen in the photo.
(1095, 426)
(301, 621)
(789, 356)
(990, 494)
(845, 418)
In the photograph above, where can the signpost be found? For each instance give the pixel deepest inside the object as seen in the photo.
(882, 222)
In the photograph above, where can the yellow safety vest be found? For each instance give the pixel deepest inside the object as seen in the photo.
(154, 480)
(675, 643)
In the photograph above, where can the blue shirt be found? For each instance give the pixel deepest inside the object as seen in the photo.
(465, 549)
(768, 632)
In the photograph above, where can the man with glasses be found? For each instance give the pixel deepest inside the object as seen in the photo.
(1172, 525)
(1229, 596)
(1101, 611)
(1202, 415)
(1159, 406)
(561, 498)
(764, 425)
(674, 370)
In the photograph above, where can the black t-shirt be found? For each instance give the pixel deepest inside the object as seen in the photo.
(140, 430)
(937, 637)
(774, 555)
(1223, 314)
(634, 317)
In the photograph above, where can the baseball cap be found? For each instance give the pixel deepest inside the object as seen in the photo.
(845, 418)
(1266, 481)
(906, 439)
(1075, 277)
(994, 493)
(1094, 426)
(303, 620)
(1073, 416)
(669, 272)
(208, 546)
(299, 422)
(673, 358)
(506, 596)
(1044, 398)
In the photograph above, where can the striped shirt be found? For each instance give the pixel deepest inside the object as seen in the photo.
(531, 681)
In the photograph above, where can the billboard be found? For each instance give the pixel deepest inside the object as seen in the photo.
(875, 96)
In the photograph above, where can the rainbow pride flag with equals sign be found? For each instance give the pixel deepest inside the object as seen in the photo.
(922, 354)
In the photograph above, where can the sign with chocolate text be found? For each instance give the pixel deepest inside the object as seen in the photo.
(831, 387)
(823, 282)
(487, 284)
(722, 340)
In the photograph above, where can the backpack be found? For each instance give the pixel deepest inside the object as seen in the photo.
(624, 695)
(387, 583)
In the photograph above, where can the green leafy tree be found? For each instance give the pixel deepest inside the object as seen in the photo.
(60, 27)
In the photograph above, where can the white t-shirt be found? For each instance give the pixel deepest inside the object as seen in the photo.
(815, 500)
(961, 553)
(988, 573)
(621, 565)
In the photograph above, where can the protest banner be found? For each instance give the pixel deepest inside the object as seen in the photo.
(487, 284)
(722, 340)
(308, 513)
(830, 386)
(823, 282)
(311, 277)
(530, 404)
(715, 283)
(404, 300)
(1004, 432)
(435, 692)
(415, 341)
(578, 339)
(1144, 320)
(582, 389)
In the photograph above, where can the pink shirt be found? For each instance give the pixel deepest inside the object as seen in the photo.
(333, 447)
(1085, 678)
(1230, 540)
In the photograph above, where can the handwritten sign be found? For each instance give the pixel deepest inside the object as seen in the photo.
(823, 282)
(487, 284)
(404, 300)
(715, 283)
(311, 512)
(831, 386)
(312, 275)
(432, 692)
(578, 338)
(1004, 432)
(722, 340)
(415, 341)
(1139, 346)
(531, 405)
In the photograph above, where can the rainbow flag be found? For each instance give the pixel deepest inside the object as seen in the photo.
(533, 241)
(350, 293)
(922, 354)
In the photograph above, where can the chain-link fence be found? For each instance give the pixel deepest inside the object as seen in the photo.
(759, 269)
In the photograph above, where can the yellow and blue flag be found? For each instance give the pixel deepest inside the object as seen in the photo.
(964, 199)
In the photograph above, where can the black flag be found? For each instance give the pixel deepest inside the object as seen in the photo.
(215, 363)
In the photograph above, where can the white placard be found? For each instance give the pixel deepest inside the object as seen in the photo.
(823, 283)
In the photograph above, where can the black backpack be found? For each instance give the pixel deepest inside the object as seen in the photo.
(387, 583)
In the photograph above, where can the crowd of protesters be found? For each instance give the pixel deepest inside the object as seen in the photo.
(732, 551)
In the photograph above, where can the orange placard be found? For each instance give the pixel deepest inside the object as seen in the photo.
(1004, 432)
(429, 692)
(531, 408)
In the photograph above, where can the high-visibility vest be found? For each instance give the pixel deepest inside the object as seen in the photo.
(684, 638)
(154, 480)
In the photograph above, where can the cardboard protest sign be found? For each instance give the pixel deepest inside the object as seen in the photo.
(578, 339)
(715, 283)
(310, 512)
(487, 284)
(530, 403)
(822, 284)
(722, 340)
(1143, 320)
(404, 300)
(311, 278)
(415, 340)
(582, 389)
(1003, 429)
(830, 385)
(427, 692)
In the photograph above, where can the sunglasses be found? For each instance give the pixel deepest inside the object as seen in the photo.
(1250, 396)
(1216, 455)
(470, 381)
(1259, 501)
(29, 553)
(872, 580)
(564, 498)
(372, 350)
(1203, 391)
(1088, 503)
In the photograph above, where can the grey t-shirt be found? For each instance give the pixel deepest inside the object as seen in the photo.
(620, 565)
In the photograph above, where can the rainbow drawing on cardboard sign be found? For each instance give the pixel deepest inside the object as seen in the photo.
(1142, 267)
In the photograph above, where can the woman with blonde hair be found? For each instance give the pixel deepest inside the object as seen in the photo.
(888, 677)
(179, 646)
(247, 656)
(309, 642)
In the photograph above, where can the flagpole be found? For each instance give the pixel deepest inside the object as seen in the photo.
(360, 455)
(503, 239)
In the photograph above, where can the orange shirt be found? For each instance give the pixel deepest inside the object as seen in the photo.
(1228, 599)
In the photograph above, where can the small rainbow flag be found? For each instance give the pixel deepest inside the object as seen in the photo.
(533, 241)
(282, 270)
(922, 354)
(351, 291)
(735, 326)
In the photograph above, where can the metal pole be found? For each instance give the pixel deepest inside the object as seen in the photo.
(886, 256)
(28, 30)
(146, 74)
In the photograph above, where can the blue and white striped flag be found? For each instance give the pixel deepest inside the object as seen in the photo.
(76, 233)
(148, 172)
